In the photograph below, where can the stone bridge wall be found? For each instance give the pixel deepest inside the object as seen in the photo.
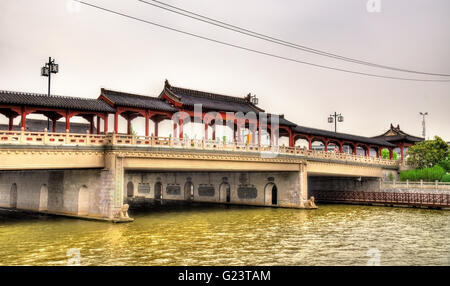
(359, 184)
(70, 192)
(246, 188)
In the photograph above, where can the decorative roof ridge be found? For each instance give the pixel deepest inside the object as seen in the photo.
(129, 94)
(45, 95)
(332, 131)
(348, 134)
(399, 132)
(207, 94)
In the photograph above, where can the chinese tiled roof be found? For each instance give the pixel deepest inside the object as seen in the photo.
(54, 101)
(281, 120)
(395, 134)
(208, 100)
(135, 100)
(342, 136)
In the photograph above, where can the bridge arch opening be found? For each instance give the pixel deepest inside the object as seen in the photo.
(13, 196)
(225, 192)
(189, 191)
(361, 150)
(333, 146)
(347, 148)
(165, 128)
(158, 191)
(83, 200)
(130, 189)
(301, 142)
(373, 151)
(271, 194)
(43, 198)
(318, 145)
(398, 151)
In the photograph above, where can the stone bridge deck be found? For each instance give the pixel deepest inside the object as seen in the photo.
(43, 150)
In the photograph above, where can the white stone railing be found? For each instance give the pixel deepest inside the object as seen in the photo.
(50, 138)
(436, 185)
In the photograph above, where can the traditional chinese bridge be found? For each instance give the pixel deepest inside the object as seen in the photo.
(92, 174)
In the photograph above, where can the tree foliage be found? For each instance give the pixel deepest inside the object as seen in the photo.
(385, 154)
(427, 153)
(445, 178)
(426, 174)
(446, 163)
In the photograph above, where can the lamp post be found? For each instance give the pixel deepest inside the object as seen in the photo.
(47, 71)
(335, 118)
(423, 123)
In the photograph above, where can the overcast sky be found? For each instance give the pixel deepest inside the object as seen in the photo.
(96, 49)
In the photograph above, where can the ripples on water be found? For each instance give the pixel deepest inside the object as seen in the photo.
(331, 235)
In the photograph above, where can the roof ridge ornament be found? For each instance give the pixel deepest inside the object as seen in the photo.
(252, 99)
(167, 84)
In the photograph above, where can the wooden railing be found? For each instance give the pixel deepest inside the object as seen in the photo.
(413, 199)
(50, 138)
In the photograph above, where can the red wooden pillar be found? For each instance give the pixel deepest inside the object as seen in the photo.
(181, 128)
(291, 138)
(11, 121)
(391, 153)
(53, 125)
(68, 116)
(128, 125)
(174, 129)
(24, 119)
(326, 145)
(91, 125)
(259, 136)
(214, 132)
(354, 149)
(105, 124)
(98, 124)
(309, 143)
(401, 153)
(206, 131)
(147, 123)
(378, 152)
(239, 133)
(116, 122)
(271, 138)
(156, 127)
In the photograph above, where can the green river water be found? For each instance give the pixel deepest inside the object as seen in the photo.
(330, 235)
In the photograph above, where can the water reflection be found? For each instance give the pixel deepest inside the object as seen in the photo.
(331, 235)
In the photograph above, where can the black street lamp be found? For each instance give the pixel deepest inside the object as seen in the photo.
(335, 118)
(47, 71)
